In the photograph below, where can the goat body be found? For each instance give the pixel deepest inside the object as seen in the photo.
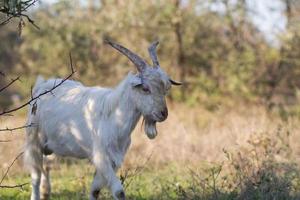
(94, 122)
(77, 120)
(82, 122)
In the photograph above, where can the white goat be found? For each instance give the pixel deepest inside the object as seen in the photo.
(95, 123)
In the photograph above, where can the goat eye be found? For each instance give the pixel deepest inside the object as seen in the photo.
(146, 90)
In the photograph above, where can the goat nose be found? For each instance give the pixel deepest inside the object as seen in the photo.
(164, 113)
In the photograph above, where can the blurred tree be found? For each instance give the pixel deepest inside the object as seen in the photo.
(280, 77)
(217, 53)
(9, 56)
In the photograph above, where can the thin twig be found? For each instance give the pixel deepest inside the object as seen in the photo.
(16, 128)
(3, 141)
(19, 107)
(10, 83)
(14, 186)
(44, 93)
(135, 172)
(11, 164)
(6, 21)
(19, 14)
(30, 21)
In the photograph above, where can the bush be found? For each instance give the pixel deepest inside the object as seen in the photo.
(263, 170)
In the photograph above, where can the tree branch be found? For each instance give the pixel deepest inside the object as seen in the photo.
(44, 93)
(9, 84)
(14, 186)
(2, 141)
(16, 128)
(11, 164)
(21, 7)
(21, 127)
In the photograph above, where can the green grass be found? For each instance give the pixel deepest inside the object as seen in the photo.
(73, 182)
(252, 173)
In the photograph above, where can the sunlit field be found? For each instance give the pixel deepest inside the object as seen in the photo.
(233, 125)
(241, 154)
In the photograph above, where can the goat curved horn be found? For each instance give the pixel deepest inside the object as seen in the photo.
(152, 52)
(175, 82)
(134, 58)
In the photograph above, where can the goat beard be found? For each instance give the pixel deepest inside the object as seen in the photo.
(150, 128)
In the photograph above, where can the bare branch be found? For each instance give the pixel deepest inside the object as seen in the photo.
(3, 141)
(44, 93)
(130, 174)
(9, 84)
(71, 63)
(7, 170)
(30, 21)
(6, 20)
(16, 128)
(21, 127)
(14, 186)
(23, 6)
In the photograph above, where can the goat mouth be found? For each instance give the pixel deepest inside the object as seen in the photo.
(159, 118)
(150, 128)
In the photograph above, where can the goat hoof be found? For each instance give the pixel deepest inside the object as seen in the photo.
(120, 195)
(45, 197)
(96, 193)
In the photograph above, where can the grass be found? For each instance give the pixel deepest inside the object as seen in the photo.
(73, 182)
(224, 155)
(252, 173)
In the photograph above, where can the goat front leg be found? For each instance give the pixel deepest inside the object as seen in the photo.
(97, 184)
(112, 181)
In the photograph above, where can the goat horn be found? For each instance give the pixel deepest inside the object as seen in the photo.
(175, 82)
(134, 58)
(152, 52)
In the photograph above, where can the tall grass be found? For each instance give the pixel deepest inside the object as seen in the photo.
(232, 153)
(263, 170)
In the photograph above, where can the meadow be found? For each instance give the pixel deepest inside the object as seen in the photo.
(230, 153)
(233, 131)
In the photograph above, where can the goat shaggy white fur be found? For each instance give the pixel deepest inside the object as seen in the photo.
(93, 123)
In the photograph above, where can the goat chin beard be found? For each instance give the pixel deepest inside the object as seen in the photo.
(150, 129)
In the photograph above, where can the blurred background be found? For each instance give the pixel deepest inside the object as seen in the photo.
(238, 109)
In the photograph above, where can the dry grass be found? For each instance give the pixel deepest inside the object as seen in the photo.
(189, 135)
(193, 135)
(239, 153)
(11, 143)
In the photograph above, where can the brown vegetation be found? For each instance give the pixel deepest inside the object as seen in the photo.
(191, 135)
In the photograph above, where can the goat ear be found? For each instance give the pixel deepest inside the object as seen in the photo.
(136, 81)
